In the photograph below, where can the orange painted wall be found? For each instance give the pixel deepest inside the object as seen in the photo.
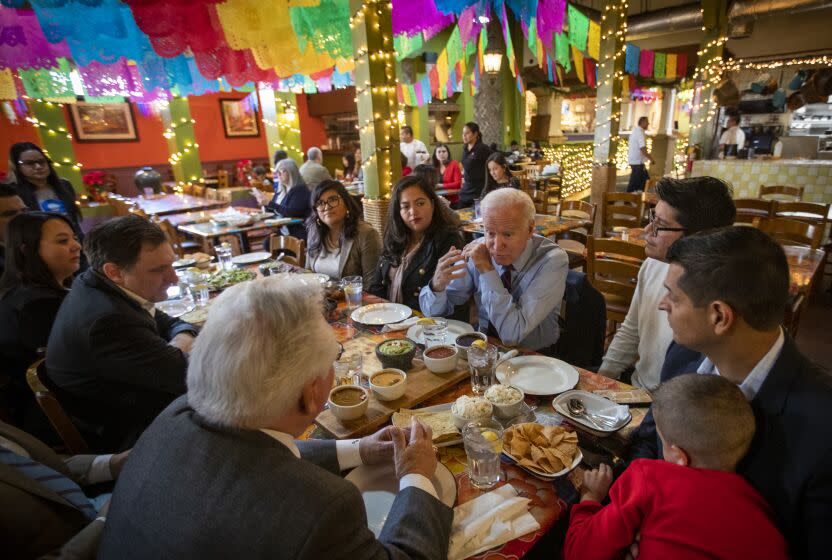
(210, 135)
(10, 134)
(312, 129)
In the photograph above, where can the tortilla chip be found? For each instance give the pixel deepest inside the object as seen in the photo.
(550, 449)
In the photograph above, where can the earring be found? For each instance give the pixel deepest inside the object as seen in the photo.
(318, 220)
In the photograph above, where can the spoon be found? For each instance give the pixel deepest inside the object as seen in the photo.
(577, 409)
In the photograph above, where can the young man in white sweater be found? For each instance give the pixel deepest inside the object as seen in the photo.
(685, 207)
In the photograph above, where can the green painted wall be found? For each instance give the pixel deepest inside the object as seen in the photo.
(57, 141)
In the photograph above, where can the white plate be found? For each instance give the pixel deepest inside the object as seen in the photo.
(378, 486)
(455, 328)
(381, 313)
(594, 404)
(547, 476)
(538, 375)
(277, 221)
(251, 258)
(176, 307)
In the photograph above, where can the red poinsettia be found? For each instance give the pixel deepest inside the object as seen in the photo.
(96, 184)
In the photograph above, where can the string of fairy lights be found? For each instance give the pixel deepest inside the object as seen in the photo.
(287, 123)
(611, 70)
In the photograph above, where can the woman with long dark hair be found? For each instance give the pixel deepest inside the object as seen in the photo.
(43, 254)
(499, 175)
(474, 154)
(39, 186)
(339, 242)
(418, 233)
(351, 166)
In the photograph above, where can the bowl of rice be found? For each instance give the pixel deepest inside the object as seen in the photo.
(470, 409)
(507, 400)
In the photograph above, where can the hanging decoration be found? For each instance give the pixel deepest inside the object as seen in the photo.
(562, 51)
(645, 65)
(23, 44)
(578, 28)
(418, 16)
(670, 67)
(550, 15)
(578, 57)
(7, 90)
(322, 27)
(593, 42)
(659, 60)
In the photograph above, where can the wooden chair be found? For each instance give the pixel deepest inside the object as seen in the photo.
(282, 244)
(188, 188)
(541, 201)
(750, 208)
(199, 190)
(622, 210)
(180, 245)
(810, 212)
(791, 232)
(48, 402)
(577, 209)
(574, 243)
(612, 267)
(222, 179)
(781, 191)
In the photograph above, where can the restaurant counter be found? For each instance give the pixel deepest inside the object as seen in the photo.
(746, 175)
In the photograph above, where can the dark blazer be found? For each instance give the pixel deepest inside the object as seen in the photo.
(26, 317)
(473, 161)
(66, 194)
(111, 361)
(192, 489)
(34, 519)
(581, 340)
(296, 204)
(790, 459)
(420, 270)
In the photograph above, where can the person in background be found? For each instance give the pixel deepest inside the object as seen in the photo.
(517, 278)
(351, 167)
(414, 150)
(115, 359)
(636, 156)
(313, 171)
(418, 232)
(499, 175)
(258, 378)
(47, 499)
(340, 242)
(406, 169)
(44, 255)
(733, 134)
(279, 156)
(39, 186)
(449, 170)
(290, 199)
(474, 155)
(259, 175)
(685, 207)
(359, 169)
(431, 177)
(514, 147)
(727, 291)
(10, 206)
(706, 426)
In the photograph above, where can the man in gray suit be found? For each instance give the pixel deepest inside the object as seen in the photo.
(219, 474)
(313, 171)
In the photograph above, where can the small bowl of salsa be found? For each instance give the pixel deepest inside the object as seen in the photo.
(349, 402)
(388, 384)
(441, 359)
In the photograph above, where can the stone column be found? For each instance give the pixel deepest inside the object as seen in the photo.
(707, 74)
(489, 112)
(608, 102)
(663, 143)
(375, 84)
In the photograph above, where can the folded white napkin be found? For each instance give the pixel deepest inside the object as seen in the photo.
(618, 412)
(488, 521)
(402, 326)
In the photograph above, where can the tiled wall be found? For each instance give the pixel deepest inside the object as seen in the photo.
(746, 176)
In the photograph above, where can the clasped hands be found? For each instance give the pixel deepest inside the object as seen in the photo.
(411, 449)
(452, 265)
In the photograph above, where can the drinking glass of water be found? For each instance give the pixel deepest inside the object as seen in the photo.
(435, 334)
(477, 209)
(348, 370)
(353, 290)
(483, 442)
(224, 256)
(482, 361)
(199, 289)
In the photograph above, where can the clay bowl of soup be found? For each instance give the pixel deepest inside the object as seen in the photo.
(388, 384)
(349, 402)
(465, 340)
(441, 358)
(396, 353)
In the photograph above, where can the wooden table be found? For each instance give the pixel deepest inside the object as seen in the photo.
(545, 224)
(198, 225)
(165, 204)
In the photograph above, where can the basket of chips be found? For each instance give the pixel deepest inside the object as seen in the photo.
(545, 451)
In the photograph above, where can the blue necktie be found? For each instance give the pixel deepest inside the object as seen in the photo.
(51, 479)
(505, 277)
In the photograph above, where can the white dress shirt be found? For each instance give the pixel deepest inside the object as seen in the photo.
(349, 457)
(636, 142)
(415, 151)
(146, 305)
(756, 377)
(733, 135)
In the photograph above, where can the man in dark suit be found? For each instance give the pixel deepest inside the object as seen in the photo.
(43, 506)
(726, 295)
(115, 359)
(219, 475)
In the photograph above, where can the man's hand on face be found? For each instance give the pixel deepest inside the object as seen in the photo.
(479, 255)
(449, 267)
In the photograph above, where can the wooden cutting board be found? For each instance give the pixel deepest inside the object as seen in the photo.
(421, 385)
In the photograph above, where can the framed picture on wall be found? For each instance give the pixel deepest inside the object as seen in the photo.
(239, 118)
(103, 122)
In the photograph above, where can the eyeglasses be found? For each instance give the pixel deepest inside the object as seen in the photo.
(13, 213)
(331, 202)
(35, 163)
(655, 229)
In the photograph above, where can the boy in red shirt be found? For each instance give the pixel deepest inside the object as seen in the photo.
(692, 504)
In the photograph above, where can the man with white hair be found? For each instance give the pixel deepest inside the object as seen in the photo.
(313, 171)
(219, 474)
(517, 278)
